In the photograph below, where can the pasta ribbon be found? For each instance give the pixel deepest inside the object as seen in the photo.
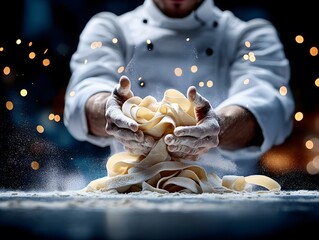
(156, 171)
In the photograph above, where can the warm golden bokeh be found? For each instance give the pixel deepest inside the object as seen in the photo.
(178, 72)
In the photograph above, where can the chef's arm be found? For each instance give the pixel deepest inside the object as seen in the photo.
(95, 114)
(238, 128)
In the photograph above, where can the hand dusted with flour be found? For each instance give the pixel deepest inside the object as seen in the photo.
(157, 171)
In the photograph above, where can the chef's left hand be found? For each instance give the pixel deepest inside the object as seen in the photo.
(190, 142)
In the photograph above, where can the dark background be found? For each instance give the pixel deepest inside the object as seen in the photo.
(53, 27)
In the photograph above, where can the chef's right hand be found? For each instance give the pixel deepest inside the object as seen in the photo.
(123, 128)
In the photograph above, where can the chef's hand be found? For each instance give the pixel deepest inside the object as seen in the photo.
(190, 142)
(123, 128)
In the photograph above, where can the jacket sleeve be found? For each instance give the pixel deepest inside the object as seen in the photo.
(260, 75)
(94, 68)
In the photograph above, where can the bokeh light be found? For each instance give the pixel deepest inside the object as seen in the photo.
(283, 90)
(298, 116)
(6, 70)
(9, 105)
(299, 39)
(40, 129)
(194, 69)
(46, 62)
(210, 83)
(35, 165)
(313, 51)
(23, 92)
(32, 55)
(178, 72)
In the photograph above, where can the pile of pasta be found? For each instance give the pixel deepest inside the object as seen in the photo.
(127, 172)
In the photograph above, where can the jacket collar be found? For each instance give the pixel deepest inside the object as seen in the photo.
(196, 19)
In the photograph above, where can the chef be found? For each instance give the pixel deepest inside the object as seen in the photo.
(234, 72)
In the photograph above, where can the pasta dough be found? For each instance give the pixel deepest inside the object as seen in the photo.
(156, 171)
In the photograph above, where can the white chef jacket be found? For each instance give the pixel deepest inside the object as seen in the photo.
(229, 61)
